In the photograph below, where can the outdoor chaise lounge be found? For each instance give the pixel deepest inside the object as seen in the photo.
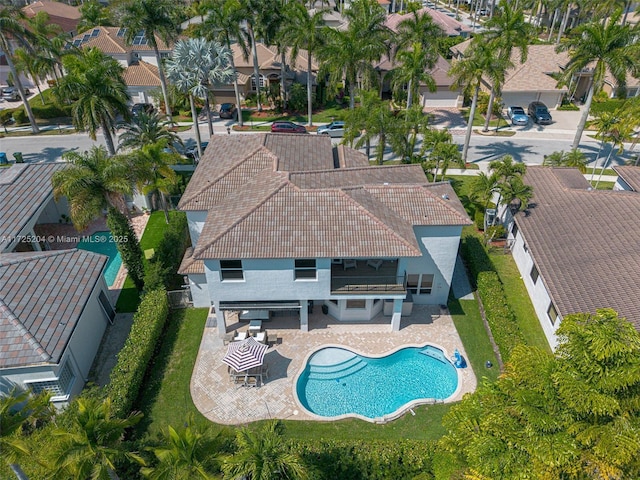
(349, 263)
(374, 263)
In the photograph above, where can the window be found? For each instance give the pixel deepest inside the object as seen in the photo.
(356, 304)
(335, 302)
(420, 284)
(305, 269)
(231, 270)
(553, 315)
(59, 387)
(534, 274)
(514, 230)
(253, 82)
(106, 306)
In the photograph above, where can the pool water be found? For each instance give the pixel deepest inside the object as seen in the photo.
(102, 242)
(337, 381)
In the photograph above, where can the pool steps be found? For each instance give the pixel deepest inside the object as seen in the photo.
(434, 353)
(338, 370)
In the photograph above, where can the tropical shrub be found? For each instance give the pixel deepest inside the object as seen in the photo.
(168, 254)
(20, 116)
(133, 360)
(50, 110)
(128, 245)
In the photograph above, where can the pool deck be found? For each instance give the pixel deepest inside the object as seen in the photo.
(222, 401)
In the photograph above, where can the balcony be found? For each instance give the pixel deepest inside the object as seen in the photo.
(364, 278)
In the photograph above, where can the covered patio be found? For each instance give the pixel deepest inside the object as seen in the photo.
(223, 401)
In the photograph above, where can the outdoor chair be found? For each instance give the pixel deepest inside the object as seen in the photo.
(272, 338)
(349, 263)
(261, 337)
(251, 381)
(374, 263)
(240, 336)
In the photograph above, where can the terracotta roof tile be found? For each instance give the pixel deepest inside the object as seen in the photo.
(630, 175)
(190, 264)
(108, 41)
(66, 16)
(450, 26)
(583, 242)
(141, 74)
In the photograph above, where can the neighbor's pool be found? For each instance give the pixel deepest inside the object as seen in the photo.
(102, 242)
(337, 381)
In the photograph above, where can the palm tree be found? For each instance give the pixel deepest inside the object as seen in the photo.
(503, 33)
(146, 129)
(404, 131)
(90, 448)
(348, 54)
(509, 180)
(185, 454)
(443, 155)
(468, 73)
(420, 28)
(413, 70)
(611, 129)
(574, 159)
(95, 85)
(93, 15)
(303, 30)
(91, 183)
(157, 20)
(263, 455)
(601, 47)
(12, 31)
(20, 410)
(223, 24)
(151, 167)
(482, 187)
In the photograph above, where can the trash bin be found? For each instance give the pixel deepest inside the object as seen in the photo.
(18, 157)
(3, 158)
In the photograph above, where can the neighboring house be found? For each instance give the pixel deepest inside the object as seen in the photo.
(138, 59)
(332, 19)
(54, 308)
(532, 80)
(628, 178)
(26, 199)
(65, 16)
(611, 87)
(575, 247)
(449, 26)
(285, 222)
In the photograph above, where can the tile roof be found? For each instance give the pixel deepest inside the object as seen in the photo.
(190, 264)
(66, 16)
(270, 59)
(287, 191)
(630, 175)
(348, 157)
(35, 332)
(24, 189)
(450, 26)
(141, 74)
(107, 40)
(439, 72)
(583, 242)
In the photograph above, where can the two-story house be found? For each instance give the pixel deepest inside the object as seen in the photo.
(288, 222)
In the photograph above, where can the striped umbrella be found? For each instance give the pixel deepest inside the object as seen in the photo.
(245, 354)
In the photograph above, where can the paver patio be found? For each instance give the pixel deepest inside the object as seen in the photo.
(222, 401)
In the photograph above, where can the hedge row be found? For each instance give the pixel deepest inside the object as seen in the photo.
(162, 268)
(500, 317)
(133, 360)
(41, 112)
(367, 460)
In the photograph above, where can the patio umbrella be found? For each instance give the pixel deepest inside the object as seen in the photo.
(245, 354)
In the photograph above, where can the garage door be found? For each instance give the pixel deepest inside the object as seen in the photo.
(440, 98)
(551, 99)
(521, 99)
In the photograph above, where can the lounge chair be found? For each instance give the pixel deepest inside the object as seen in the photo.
(349, 263)
(375, 263)
(240, 336)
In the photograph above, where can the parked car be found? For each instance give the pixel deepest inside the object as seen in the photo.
(334, 129)
(228, 110)
(517, 115)
(192, 152)
(12, 93)
(539, 112)
(287, 127)
(142, 107)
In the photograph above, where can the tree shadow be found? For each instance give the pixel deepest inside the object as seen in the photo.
(47, 154)
(498, 149)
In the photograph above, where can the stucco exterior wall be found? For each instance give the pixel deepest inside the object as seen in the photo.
(199, 290)
(196, 223)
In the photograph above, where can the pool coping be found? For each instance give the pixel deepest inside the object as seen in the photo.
(396, 413)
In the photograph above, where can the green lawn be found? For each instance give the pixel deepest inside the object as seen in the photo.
(479, 119)
(604, 185)
(332, 111)
(607, 171)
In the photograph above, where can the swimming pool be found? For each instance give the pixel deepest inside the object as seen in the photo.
(338, 382)
(102, 242)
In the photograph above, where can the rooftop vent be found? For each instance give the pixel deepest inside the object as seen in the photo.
(445, 196)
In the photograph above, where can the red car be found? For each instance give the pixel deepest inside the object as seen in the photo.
(287, 127)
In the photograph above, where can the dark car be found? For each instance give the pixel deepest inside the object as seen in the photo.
(539, 112)
(192, 152)
(228, 110)
(12, 93)
(142, 107)
(287, 127)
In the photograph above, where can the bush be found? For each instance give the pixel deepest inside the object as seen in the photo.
(478, 219)
(20, 116)
(50, 110)
(133, 360)
(5, 116)
(609, 106)
(366, 460)
(127, 244)
(169, 252)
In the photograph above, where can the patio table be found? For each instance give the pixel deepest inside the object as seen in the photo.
(255, 326)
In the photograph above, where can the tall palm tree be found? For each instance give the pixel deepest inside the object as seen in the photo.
(95, 85)
(12, 31)
(404, 132)
(509, 181)
(146, 129)
(185, 454)
(92, 183)
(611, 129)
(574, 159)
(468, 73)
(93, 14)
(151, 167)
(303, 30)
(482, 187)
(18, 409)
(93, 444)
(183, 82)
(157, 20)
(442, 156)
(412, 71)
(348, 54)
(419, 27)
(372, 119)
(223, 24)
(263, 455)
(504, 32)
(601, 47)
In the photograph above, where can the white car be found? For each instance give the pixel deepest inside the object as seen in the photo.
(334, 129)
(12, 93)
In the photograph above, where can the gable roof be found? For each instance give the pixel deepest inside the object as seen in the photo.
(270, 59)
(630, 175)
(24, 189)
(286, 196)
(110, 40)
(35, 332)
(583, 242)
(66, 16)
(142, 74)
(439, 72)
(449, 26)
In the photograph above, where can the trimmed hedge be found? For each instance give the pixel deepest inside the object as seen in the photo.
(500, 317)
(20, 116)
(611, 105)
(133, 360)
(367, 460)
(50, 110)
(168, 254)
